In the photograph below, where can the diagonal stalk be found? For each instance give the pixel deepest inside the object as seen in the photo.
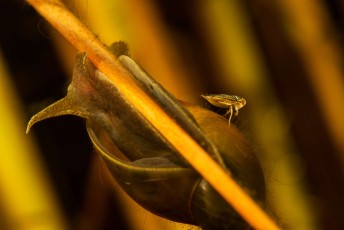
(84, 40)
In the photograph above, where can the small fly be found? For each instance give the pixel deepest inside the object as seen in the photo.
(232, 102)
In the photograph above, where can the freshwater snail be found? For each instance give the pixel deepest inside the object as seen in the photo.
(145, 165)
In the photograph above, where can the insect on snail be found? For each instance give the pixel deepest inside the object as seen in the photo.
(144, 164)
(226, 101)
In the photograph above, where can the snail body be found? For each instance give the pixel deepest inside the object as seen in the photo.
(145, 165)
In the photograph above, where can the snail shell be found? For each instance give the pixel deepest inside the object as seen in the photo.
(145, 165)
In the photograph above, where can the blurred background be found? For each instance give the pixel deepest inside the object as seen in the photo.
(285, 57)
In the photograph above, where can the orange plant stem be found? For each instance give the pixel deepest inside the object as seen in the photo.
(84, 40)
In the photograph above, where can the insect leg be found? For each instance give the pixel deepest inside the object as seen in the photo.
(226, 114)
(230, 114)
(236, 109)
